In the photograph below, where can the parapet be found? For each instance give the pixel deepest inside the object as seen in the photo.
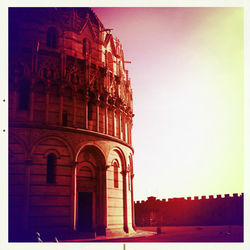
(189, 199)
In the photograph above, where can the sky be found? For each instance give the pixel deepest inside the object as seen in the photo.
(187, 75)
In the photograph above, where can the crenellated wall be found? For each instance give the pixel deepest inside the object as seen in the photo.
(227, 210)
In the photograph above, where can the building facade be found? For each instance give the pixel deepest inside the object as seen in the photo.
(218, 210)
(70, 121)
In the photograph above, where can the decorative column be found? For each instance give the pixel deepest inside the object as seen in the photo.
(97, 115)
(106, 120)
(101, 228)
(126, 130)
(61, 107)
(132, 202)
(114, 122)
(73, 212)
(125, 206)
(119, 124)
(47, 105)
(31, 114)
(86, 122)
(74, 109)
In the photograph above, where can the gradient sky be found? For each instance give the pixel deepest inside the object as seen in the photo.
(187, 77)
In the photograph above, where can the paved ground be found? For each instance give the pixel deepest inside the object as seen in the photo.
(190, 234)
(168, 234)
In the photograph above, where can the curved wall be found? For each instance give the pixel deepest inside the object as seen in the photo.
(70, 119)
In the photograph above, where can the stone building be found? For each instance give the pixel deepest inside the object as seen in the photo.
(218, 210)
(70, 121)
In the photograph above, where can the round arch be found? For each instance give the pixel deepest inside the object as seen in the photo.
(55, 137)
(92, 148)
(121, 157)
(21, 142)
(90, 189)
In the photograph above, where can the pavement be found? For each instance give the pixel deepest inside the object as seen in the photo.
(84, 238)
(191, 234)
(167, 234)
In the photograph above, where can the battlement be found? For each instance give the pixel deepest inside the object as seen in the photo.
(198, 210)
(195, 198)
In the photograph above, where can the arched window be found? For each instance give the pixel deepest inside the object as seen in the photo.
(90, 111)
(86, 47)
(65, 118)
(24, 96)
(116, 176)
(45, 73)
(51, 38)
(51, 168)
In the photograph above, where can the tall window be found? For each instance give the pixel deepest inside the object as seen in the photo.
(52, 38)
(116, 176)
(86, 48)
(51, 168)
(24, 96)
(65, 118)
(90, 111)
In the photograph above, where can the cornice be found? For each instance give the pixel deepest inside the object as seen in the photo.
(69, 129)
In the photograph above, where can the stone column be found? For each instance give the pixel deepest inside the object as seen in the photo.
(119, 124)
(125, 206)
(86, 122)
(31, 114)
(128, 131)
(47, 105)
(132, 202)
(106, 120)
(114, 122)
(61, 107)
(74, 109)
(101, 228)
(73, 212)
(97, 115)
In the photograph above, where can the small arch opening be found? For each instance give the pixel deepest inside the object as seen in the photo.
(52, 38)
(51, 168)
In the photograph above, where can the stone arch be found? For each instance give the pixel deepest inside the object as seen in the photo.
(50, 188)
(121, 155)
(117, 153)
(90, 189)
(52, 151)
(92, 147)
(55, 137)
(23, 147)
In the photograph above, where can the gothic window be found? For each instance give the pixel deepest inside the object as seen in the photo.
(90, 111)
(52, 38)
(116, 176)
(51, 168)
(65, 118)
(24, 96)
(86, 48)
(72, 77)
(45, 73)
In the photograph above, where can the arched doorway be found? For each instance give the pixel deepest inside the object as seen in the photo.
(86, 196)
(90, 191)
